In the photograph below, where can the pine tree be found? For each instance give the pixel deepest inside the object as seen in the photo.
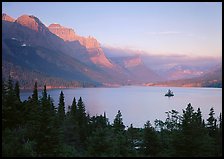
(48, 137)
(71, 127)
(17, 90)
(82, 121)
(220, 121)
(151, 144)
(35, 93)
(11, 105)
(44, 94)
(81, 111)
(211, 125)
(219, 138)
(199, 118)
(74, 108)
(193, 140)
(61, 107)
(118, 123)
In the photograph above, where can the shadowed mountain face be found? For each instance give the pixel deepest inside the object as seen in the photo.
(59, 52)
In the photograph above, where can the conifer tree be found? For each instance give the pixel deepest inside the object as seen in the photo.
(17, 90)
(10, 112)
(118, 123)
(48, 137)
(211, 124)
(81, 109)
(61, 107)
(35, 93)
(82, 120)
(74, 108)
(150, 140)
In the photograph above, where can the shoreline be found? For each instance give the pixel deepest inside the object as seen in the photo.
(63, 87)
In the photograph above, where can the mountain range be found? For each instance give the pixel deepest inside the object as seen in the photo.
(57, 56)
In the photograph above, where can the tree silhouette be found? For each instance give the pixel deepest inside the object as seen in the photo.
(61, 107)
(118, 123)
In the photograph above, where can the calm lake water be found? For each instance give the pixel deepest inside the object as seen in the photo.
(139, 104)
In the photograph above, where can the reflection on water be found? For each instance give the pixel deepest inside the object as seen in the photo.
(139, 104)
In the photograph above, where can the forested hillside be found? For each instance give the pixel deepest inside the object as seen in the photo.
(37, 127)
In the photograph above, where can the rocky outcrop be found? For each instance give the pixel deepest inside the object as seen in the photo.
(7, 18)
(68, 34)
(32, 22)
(94, 51)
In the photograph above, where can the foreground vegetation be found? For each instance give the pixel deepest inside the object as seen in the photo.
(36, 127)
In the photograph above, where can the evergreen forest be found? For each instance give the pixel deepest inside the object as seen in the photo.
(37, 127)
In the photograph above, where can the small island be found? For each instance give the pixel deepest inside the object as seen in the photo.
(169, 93)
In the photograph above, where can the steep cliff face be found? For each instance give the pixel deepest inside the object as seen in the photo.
(92, 46)
(68, 34)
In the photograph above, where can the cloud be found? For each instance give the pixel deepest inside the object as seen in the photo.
(164, 33)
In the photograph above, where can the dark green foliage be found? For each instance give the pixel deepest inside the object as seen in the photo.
(74, 108)
(211, 125)
(150, 145)
(10, 105)
(82, 121)
(61, 107)
(17, 91)
(134, 137)
(81, 111)
(35, 128)
(118, 123)
(99, 143)
(16, 144)
(35, 93)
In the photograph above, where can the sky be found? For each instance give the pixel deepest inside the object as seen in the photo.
(159, 28)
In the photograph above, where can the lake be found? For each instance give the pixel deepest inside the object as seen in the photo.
(138, 103)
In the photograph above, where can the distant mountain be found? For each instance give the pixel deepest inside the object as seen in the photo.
(57, 54)
(213, 78)
(168, 67)
(182, 71)
(134, 66)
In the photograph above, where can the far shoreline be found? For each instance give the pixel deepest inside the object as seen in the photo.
(62, 87)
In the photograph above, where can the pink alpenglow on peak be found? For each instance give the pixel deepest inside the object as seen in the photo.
(7, 18)
(95, 52)
(55, 25)
(68, 34)
(31, 22)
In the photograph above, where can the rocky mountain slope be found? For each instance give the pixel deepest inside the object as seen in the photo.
(58, 52)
